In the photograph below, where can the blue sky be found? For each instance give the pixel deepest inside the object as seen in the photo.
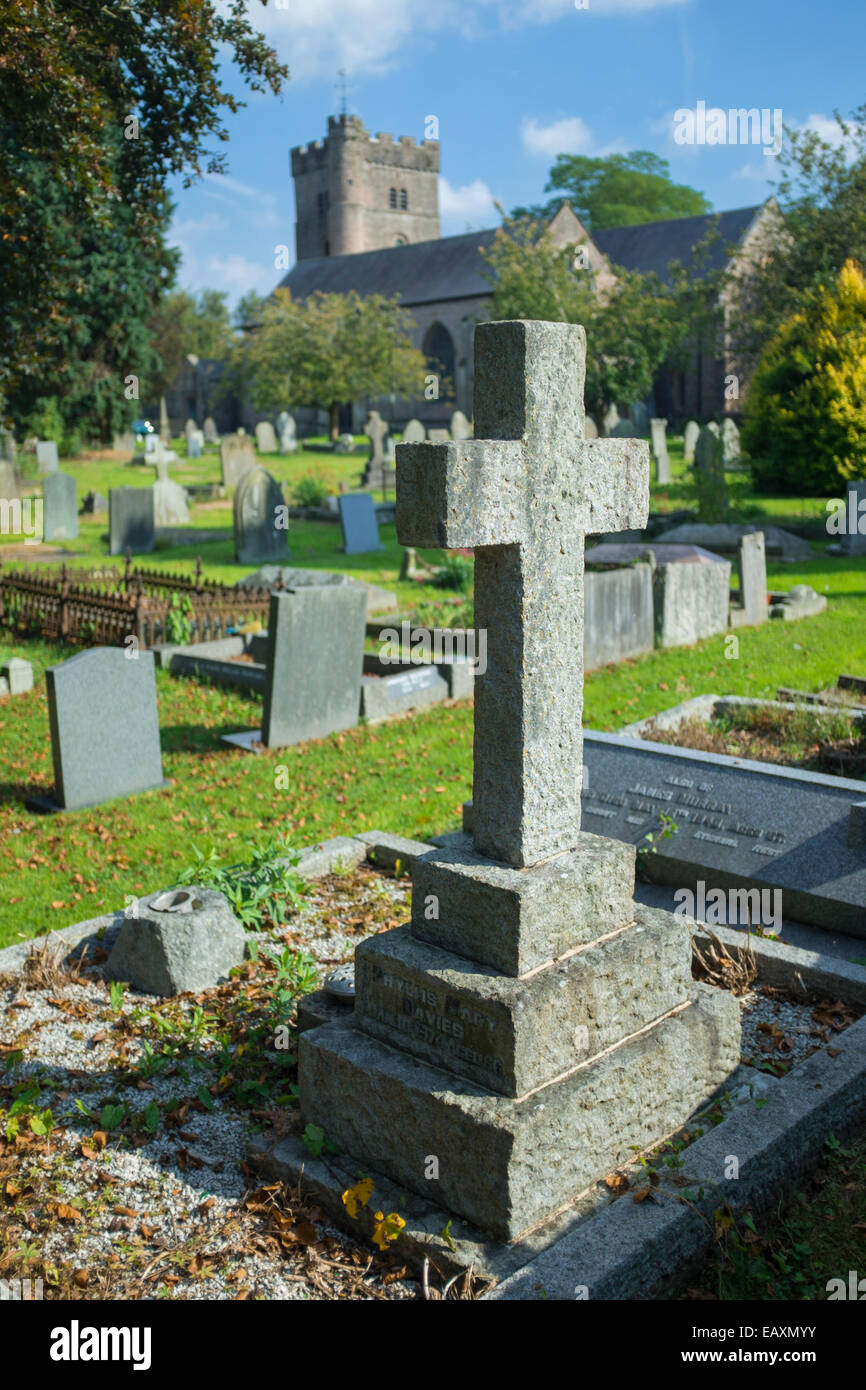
(514, 82)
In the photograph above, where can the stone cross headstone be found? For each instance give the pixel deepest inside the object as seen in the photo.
(260, 518)
(414, 433)
(104, 726)
(358, 523)
(314, 663)
(211, 434)
(376, 430)
(561, 1045)
(460, 426)
(130, 520)
(709, 471)
(690, 439)
(237, 457)
(287, 431)
(752, 561)
(59, 508)
(169, 499)
(46, 456)
(730, 440)
(266, 439)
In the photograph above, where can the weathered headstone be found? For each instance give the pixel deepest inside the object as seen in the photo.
(658, 430)
(46, 456)
(287, 432)
(130, 520)
(709, 470)
(414, 433)
(195, 444)
(266, 440)
(190, 427)
(358, 523)
(260, 520)
(59, 508)
(730, 441)
(104, 726)
(460, 427)
(211, 434)
(752, 564)
(517, 1027)
(237, 457)
(690, 602)
(690, 439)
(314, 661)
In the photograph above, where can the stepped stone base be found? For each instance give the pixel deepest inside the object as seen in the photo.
(507, 1164)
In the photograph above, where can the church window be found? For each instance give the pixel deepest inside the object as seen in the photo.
(404, 199)
(392, 199)
(438, 348)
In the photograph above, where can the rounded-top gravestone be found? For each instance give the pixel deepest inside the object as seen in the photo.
(260, 519)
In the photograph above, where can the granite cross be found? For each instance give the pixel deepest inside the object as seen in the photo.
(524, 493)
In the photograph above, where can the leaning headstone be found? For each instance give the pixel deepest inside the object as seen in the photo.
(17, 676)
(590, 428)
(690, 439)
(260, 518)
(414, 433)
(130, 520)
(177, 942)
(104, 726)
(237, 457)
(752, 564)
(314, 663)
(531, 1025)
(287, 431)
(46, 456)
(59, 508)
(730, 441)
(610, 420)
(266, 440)
(358, 523)
(211, 434)
(460, 427)
(709, 471)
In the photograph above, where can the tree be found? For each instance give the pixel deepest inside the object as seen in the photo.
(631, 327)
(805, 416)
(326, 350)
(99, 104)
(616, 190)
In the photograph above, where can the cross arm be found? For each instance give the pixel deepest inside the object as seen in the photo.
(466, 493)
(615, 491)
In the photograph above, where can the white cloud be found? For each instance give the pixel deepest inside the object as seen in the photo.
(473, 202)
(827, 129)
(756, 173)
(571, 135)
(235, 186)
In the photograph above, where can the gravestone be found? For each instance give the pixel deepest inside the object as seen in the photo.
(314, 662)
(752, 565)
(211, 435)
(287, 432)
(266, 439)
(730, 441)
(169, 498)
(853, 542)
(358, 523)
(237, 457)
(690, 602)
(124, 443)
(379, 471)
(10, 486)
(610, 420)
(590, 428)
(460, 427)
(59, 508)
(623, 429)
(660, 450)
(260, 520)
(130, 520)
(46, 456)
(195, 444)
(438, 436)
(690, 439)
(104, 727)
(16, 676)
(714, 428)
(8, 447)
(709, 470)
(414, 433)
(641, 417)
(94, 502)
(189, 427)
(531, 1026)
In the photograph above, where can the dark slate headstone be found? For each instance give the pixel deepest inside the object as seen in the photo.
(359, 524)
(104, 727)
(60, 508)
(259, 514)
(130, 520)
(739, 824)
(314, 662)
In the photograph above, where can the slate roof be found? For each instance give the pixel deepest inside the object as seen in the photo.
(426, 272)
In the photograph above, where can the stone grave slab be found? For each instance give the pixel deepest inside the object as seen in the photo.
(104, 728)
(359, 524)
(131, 520)
(60, 507)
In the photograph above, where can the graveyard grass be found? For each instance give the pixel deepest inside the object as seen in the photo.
(409, 775)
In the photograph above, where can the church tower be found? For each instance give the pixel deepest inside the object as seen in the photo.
(360, 192)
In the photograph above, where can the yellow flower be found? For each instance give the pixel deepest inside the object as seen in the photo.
(387, 1228)
(358, 1196)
